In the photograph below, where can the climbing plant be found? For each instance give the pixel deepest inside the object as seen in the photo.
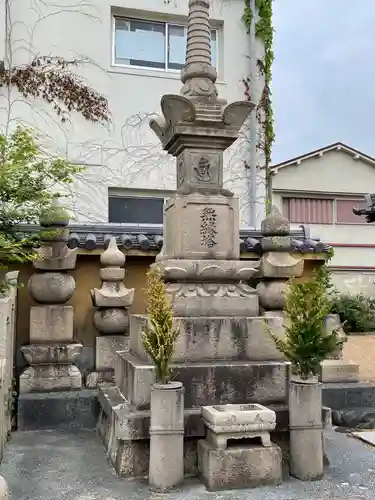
(263, 30)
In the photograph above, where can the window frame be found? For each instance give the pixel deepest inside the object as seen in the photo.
(334, 199)
(354, 199)
(139, 194)
(156, 21)
(310, 197)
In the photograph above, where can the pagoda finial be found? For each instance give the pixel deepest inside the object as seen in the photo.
(198, 75)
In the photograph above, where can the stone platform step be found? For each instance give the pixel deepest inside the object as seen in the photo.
(132, 423)
(217, 338)
(349, 395)
(214, 382)
(65, 410)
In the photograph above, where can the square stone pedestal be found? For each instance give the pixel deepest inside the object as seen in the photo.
(50, 324)
(201, 227)
(239, 466)
(225, 460)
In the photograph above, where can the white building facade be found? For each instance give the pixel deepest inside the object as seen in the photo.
(131, 53)
(320, 189)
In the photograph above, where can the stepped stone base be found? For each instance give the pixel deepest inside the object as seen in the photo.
(215, 382)
(239, 338)
(125, 432)
(239, 467)
(67, 410)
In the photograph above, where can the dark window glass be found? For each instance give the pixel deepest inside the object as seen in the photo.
(135, 210)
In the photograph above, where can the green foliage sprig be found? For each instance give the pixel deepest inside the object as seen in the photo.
(30, 180)
(265, 31)
(307, 343)
(159, 335)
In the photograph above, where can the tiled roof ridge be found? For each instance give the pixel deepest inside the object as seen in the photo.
(149, 237)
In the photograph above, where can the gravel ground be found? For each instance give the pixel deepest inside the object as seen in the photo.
(62, 466)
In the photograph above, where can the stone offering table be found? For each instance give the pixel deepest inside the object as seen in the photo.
(239, 465)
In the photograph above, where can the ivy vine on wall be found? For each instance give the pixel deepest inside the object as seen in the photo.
(263, 30)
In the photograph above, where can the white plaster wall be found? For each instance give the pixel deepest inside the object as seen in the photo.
(353, 282)
(124, 154)
(334, 172)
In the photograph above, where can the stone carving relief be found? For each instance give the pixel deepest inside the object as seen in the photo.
(207, 270)
(180, 172)
(187, 290)
(203, 170)
(208, 229)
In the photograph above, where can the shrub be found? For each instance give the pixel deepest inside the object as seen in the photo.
(357, 312)
(159, 335)
(306, 343)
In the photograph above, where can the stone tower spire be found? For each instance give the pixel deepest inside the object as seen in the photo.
(198, 75)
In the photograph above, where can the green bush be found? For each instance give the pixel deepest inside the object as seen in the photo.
(159, 335)
(357, 312)
(306, 343)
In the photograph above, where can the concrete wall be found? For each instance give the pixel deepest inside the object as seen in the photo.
(124, 154)
(336, 173)
(7, 351)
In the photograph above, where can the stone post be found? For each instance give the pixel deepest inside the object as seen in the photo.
(335, 368)
(305, 428)
(277, 265)
(52, 350)
(4, 494)
(167, 435)
(111, 317)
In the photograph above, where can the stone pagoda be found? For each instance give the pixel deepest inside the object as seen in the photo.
(223, 354)
(52, 351)
(111, 317)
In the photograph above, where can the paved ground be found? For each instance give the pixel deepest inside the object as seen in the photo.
(58, 466)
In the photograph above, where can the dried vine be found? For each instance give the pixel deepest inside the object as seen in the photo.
(51, 79)
(263, 30)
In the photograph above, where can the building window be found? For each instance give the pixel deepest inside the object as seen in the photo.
(135, 210)
(344, 211)
(308, 210)
(153, 45)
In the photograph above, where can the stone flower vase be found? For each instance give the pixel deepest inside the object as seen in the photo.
(166, 468)
(305, 428)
